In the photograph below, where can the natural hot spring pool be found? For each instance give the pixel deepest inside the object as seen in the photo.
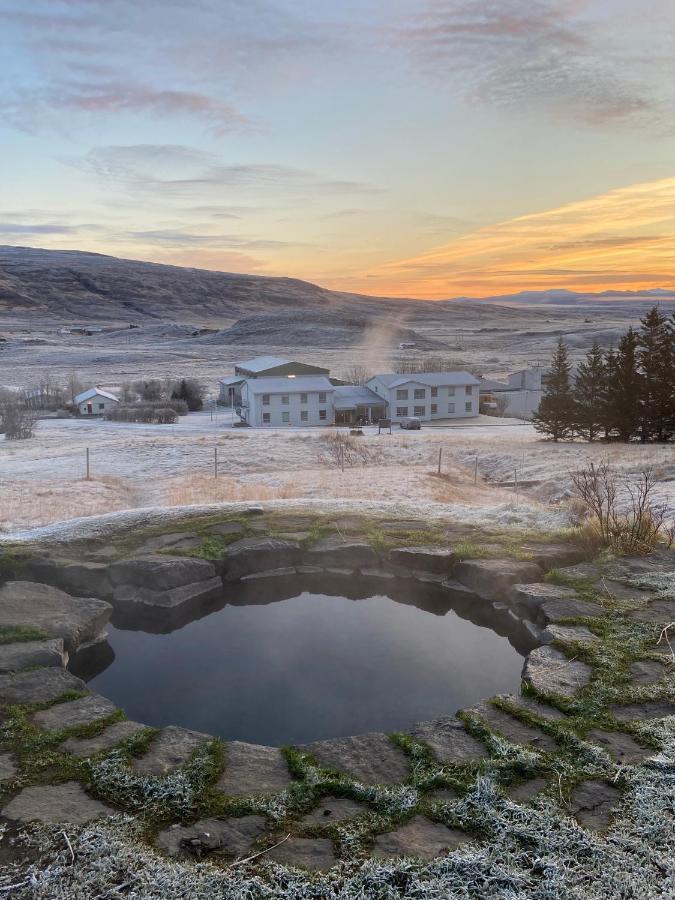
(307, 667)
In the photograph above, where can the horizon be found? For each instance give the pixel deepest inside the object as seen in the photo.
(437, 150)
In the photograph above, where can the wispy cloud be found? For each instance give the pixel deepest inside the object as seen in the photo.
(18, 228)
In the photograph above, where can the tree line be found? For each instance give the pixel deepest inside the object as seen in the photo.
(621, 394)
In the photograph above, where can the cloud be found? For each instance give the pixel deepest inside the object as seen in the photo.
(563, 58)
(625, 236)
(18, 228)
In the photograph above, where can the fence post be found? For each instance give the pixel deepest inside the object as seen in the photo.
(440, 457)
(515, 483)
(475, 471)
(88, 479)
(342, 456)
(215, 463)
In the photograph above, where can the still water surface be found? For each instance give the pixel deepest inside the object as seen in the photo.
(308, 667)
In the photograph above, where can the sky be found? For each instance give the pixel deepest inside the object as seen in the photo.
(410, 148)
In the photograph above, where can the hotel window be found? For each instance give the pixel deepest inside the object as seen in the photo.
(285, 400)
(451, 407)
(303, 398)
(401, 410)
(266, 418)
(304, 415)
(451, 392)
(322, 415)
(322, 396)
(469, 389)
(468, 406)
(285, 418)
(402, 394)
(420, 411)
(420, 393)
(266, 399)
(434, 409)
(434, 392)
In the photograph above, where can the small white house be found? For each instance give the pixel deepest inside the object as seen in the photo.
(287, 400)
(428, 395)
(95, 402)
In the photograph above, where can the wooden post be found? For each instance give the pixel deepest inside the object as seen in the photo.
(88, 479)
(440, 457)
(215, 463)
(475, 471)
(342, 456)
(515, 483)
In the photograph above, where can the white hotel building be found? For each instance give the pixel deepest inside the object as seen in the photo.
(428, 396)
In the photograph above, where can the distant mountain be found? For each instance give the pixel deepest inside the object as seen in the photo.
(562, 297)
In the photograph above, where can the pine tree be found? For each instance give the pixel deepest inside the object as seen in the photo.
(626, 388)
(609, 411)
(589, 394)
(655, 363)
(555, 416)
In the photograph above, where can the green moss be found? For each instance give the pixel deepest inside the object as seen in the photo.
(15, 634)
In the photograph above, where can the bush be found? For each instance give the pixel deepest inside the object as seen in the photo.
(337, 446)
(152, 413)
(17, 421)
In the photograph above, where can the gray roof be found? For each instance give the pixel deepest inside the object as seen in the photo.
(491, 384)
(232, 379)
(282, 384)
(349, 396)
(95, 392)
(262, 363)
(430, 379)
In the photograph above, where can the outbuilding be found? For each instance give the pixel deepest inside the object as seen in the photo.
(95, 402)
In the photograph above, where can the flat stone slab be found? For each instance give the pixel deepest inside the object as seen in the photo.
(334, 809)
(160, 573)
(585, 570)
(511, 728)
(314, 854)
(110, 737)
(226, 528)
(229, 837)
(252, 769)
(592, 804)
(531, 597)
(38, 685)
(84, 579)
(660, 612)
(338, 551)
(449, 740)
(420, 838)
(172, 748)
(619, 745)
(492, 578)
(83, 711)
(424, 559)
(180, 540)
(251, 555)
(526, 790)
(568, 608)
(549, 671)
(173, 598)
(77, 620)
(568, 634)
(650, 709)
(8, 767)
(370, 758)
(554, 556)
(26, 654)
(55, 803)
(646, 671)
(545, 710)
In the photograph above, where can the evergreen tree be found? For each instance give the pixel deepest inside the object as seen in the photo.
(589, 394)
(609, 411)
(555, 416)
(627, 388)
(654, 356)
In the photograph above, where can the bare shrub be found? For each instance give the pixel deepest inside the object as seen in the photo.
(356, 375)
(151, 413)
(338, 446)
(17, 421)
(624, 511)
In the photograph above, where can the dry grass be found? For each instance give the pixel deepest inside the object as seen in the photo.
(207, 489)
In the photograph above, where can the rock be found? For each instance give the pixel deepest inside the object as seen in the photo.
(420, 838)
(292, 523)
(370, 758)
(160, 573)
(129, 596)
(620, 746)
(592, 802)
(8, 767)
(38, 685)
(226, 528)
(424, 559)
(650, 709)
(314, 854)
(511, 728)
(553, 556)
(535, 706)
(84, 579)
(491, 579)
(77, 620)
(110, 737)
(55, 803)
(181, 540)
(251, 555)
(526, 790)
(25, 654)
(75, 712)
(172, 748)
(646, 671)
(528, 598)
(230, 837)
(341, 552)
(449, 740)
(252, 769)
(660, 612)
(377, 572)
(297, 536)
(555, 610)
(582, 571)
(398, 526)
(549, 671)
(334, 809)
(568, 634)
(286, 572)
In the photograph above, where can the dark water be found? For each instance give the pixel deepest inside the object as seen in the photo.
(308, 667)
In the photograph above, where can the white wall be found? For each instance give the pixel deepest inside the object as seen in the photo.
(276, 408)
(99, 406)
(449, 402)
